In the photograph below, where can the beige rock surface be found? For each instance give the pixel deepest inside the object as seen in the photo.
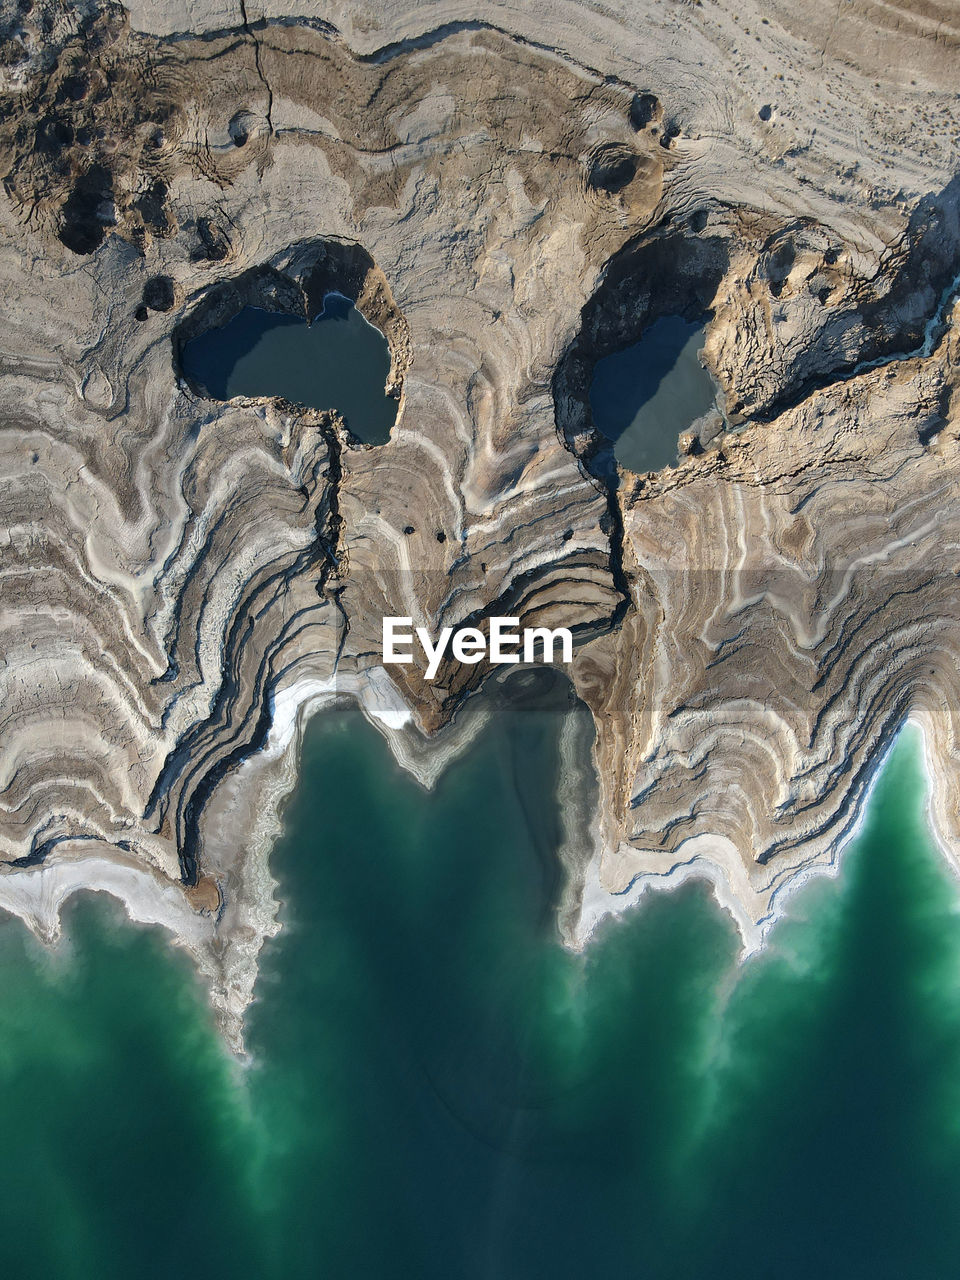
(508, 192)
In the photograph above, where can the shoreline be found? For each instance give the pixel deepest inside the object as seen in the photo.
(37, 896)
(702, 863)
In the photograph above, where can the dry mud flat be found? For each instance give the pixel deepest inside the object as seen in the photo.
(508, 197)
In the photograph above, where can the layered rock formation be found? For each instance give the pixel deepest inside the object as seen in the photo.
(508, 195)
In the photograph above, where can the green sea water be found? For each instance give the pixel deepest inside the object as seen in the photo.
(439, 1090)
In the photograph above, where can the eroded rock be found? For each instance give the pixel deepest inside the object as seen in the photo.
(185, 580)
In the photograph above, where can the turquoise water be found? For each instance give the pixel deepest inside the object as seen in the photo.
(643, 397)
(337, 362)
(439, 1090)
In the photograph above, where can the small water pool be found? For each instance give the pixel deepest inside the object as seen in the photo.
(643, 397)
(340, 361)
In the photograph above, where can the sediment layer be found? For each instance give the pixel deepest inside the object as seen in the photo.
(508, 197)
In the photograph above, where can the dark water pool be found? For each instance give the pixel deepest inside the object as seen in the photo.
(643, 397)
(340, 361)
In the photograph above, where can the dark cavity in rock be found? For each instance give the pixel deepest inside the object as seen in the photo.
(214, 242)
(698, 220)
(239, 128)
(159, 293)
(87, 211)
(613, 167)
(645, 109)
(152, 207)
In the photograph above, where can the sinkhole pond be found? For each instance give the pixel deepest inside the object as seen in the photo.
(643, 397)
(338, 361)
